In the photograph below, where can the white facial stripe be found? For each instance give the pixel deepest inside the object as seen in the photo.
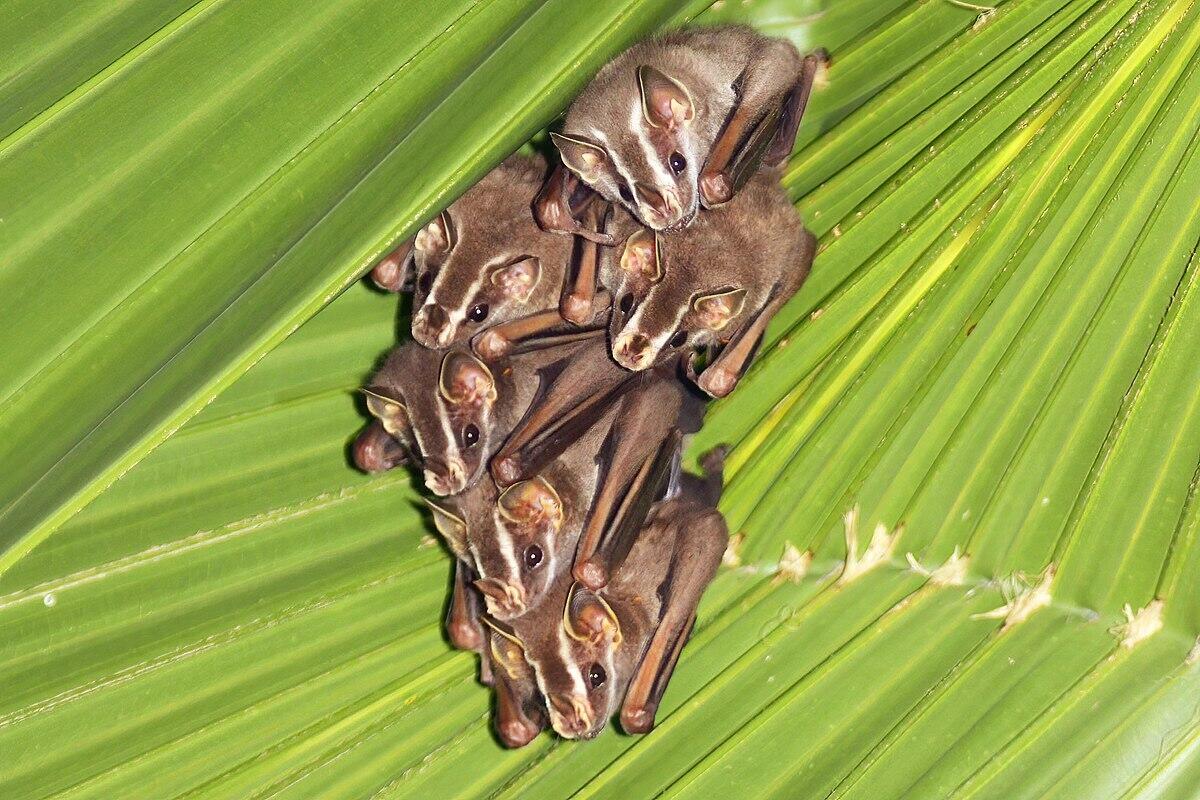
(451, 441)
(556, 721)
(610, 668)
(564, 652)
(507, 548)
(459, 313)
(421, 444)
(618, 167)
(475, 554)
(637, 124)
(635, 322)
(551, 566)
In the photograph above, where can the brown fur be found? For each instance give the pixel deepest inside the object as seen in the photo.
(706, 61)
(756, 242)
(673, 560)
(492, 226)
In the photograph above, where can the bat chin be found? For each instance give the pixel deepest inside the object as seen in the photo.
(444, 485)
(686, 220)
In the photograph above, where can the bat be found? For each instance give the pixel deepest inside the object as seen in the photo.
(483, 262)
(596, 652)
(712, 286)
(449, 410)
(519, 716)
(678, 122)
(376, 450)
(640, 417)
(575, 494)
(461, 520)
(534, 526)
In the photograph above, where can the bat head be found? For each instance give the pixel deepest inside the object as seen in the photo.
(574, 643)
(692, 288)
(484, 261)
(642, 130)
(536, 523)
(443, 408)
(377, 450)
(519, 714)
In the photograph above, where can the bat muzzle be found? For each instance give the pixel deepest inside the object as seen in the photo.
(633, 351)
(660, 209)
(445, 478)
(431, 326)
(504, 600)
(571, 716)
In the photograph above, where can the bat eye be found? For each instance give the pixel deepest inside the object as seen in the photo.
(626, 195)
(679, 339)
(470, 435)
(597, 676)
(425, 282)
(478, 313)
(626, 303)
(533, 556)
(678, 163)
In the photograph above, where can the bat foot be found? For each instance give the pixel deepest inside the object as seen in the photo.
(376, 451)
(464, 636)
(388, 275)
(490, 346)
(554, 216)
(715, 189)
(717, 382)
(516, 733)
(591, 574)
(637, 720)
(576, 310)
(506, 470)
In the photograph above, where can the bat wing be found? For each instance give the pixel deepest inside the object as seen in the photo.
(692, 570)
(394, 272)
(636, 464)
(574, 395)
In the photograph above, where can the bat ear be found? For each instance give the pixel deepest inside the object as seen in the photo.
(642, 256)
(388, 410)
(665, 101)
(518, 279)
(587, 617)
(466, 380)
(582, 156)
(508, 653)
(451, 527)
(716, 310)
(530, 502)
(438, 237)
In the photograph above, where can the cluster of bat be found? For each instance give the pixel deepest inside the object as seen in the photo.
(568, 331)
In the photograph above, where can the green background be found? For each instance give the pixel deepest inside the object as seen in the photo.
(997, 355)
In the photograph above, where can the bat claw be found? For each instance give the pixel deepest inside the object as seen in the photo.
(506, 470)
(464, 636)
(716, 189)
(491, 346)
(553, 216)
(576, 310)
(590, 573)
(637, 720)
(717, 382)
(516, 733)
(388, 275)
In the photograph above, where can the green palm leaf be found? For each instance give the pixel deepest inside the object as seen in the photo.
(991, 379)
